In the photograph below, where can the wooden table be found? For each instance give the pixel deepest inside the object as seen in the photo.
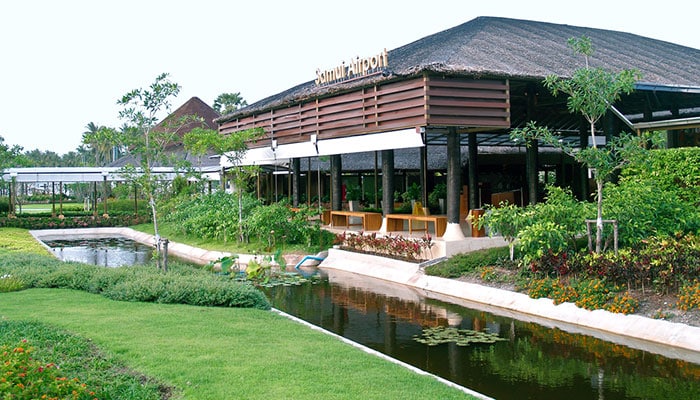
(394, 222)
(371, 221)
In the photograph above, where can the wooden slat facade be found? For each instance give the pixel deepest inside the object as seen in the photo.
(426, 101)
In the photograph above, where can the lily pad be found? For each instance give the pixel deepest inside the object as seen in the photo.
(461, 337)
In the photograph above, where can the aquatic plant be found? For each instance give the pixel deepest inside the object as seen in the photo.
(461, 337)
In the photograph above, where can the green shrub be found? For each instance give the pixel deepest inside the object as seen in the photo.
(209, 216)
(276, 223)
(9, 283)
(642, 210)
(4, 205)
(463, 264)
(125, 205)
(183, 284)
(68, 276)
(141, 290)
(674, 170)
(83, 221)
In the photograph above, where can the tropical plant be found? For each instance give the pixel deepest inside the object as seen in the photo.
(10, 156)
(438, 192)
(591, 91)
(413, 192)
(227, 103)
(506, 220)
(353, 192)
(141, 110)
(233, 148)
(101, 141)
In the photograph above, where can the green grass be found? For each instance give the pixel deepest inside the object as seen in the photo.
(19, 240)
(212, 352)
(463, 264)
(169, 230)
(221, 353)
(47, 207)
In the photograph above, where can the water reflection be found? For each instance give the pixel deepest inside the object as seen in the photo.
(102, 251)
(535, 362)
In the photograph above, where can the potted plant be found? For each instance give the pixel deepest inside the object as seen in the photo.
(437, 197)
(353, 194)
(412, 193)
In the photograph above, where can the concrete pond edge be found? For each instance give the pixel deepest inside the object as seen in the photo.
(670, 339)
(201, 256)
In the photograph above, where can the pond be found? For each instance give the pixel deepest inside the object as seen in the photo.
(532, 362)
(103, 251)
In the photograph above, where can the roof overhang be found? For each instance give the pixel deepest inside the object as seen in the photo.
(92, 174)
(281, 154)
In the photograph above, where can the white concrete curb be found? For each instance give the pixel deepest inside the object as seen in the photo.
(188, 253)
(384, 356)
(670, 339)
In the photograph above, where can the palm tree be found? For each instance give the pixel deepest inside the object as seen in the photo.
(227, 103)
(100, 141)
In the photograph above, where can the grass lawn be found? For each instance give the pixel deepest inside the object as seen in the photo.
(47, 207)
(216, 353)
(223, 353)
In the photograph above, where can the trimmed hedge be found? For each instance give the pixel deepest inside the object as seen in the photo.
(181, 285)
(84, 221)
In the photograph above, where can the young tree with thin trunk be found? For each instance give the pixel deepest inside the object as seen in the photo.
(591, 91)
(231, 146)
(141, 111)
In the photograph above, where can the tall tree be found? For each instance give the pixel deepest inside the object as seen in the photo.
(141, 111)
(591, 91)
(10, 156)
(227, 103)
(47, 158)
(90, 139)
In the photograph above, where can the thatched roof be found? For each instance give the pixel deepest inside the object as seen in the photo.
(515, 49)
(192, 107)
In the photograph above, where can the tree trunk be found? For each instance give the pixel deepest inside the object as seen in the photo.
(599, 219)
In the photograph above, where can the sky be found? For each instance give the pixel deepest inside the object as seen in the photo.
(64, 64)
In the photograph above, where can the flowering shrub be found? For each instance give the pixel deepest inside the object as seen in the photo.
(392, 246)
(539, 288)
(689, 296)
(22, 377)
(591, 294)
(622, 303)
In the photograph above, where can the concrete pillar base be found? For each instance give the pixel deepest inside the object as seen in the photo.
(383, 228)
(453, 232)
